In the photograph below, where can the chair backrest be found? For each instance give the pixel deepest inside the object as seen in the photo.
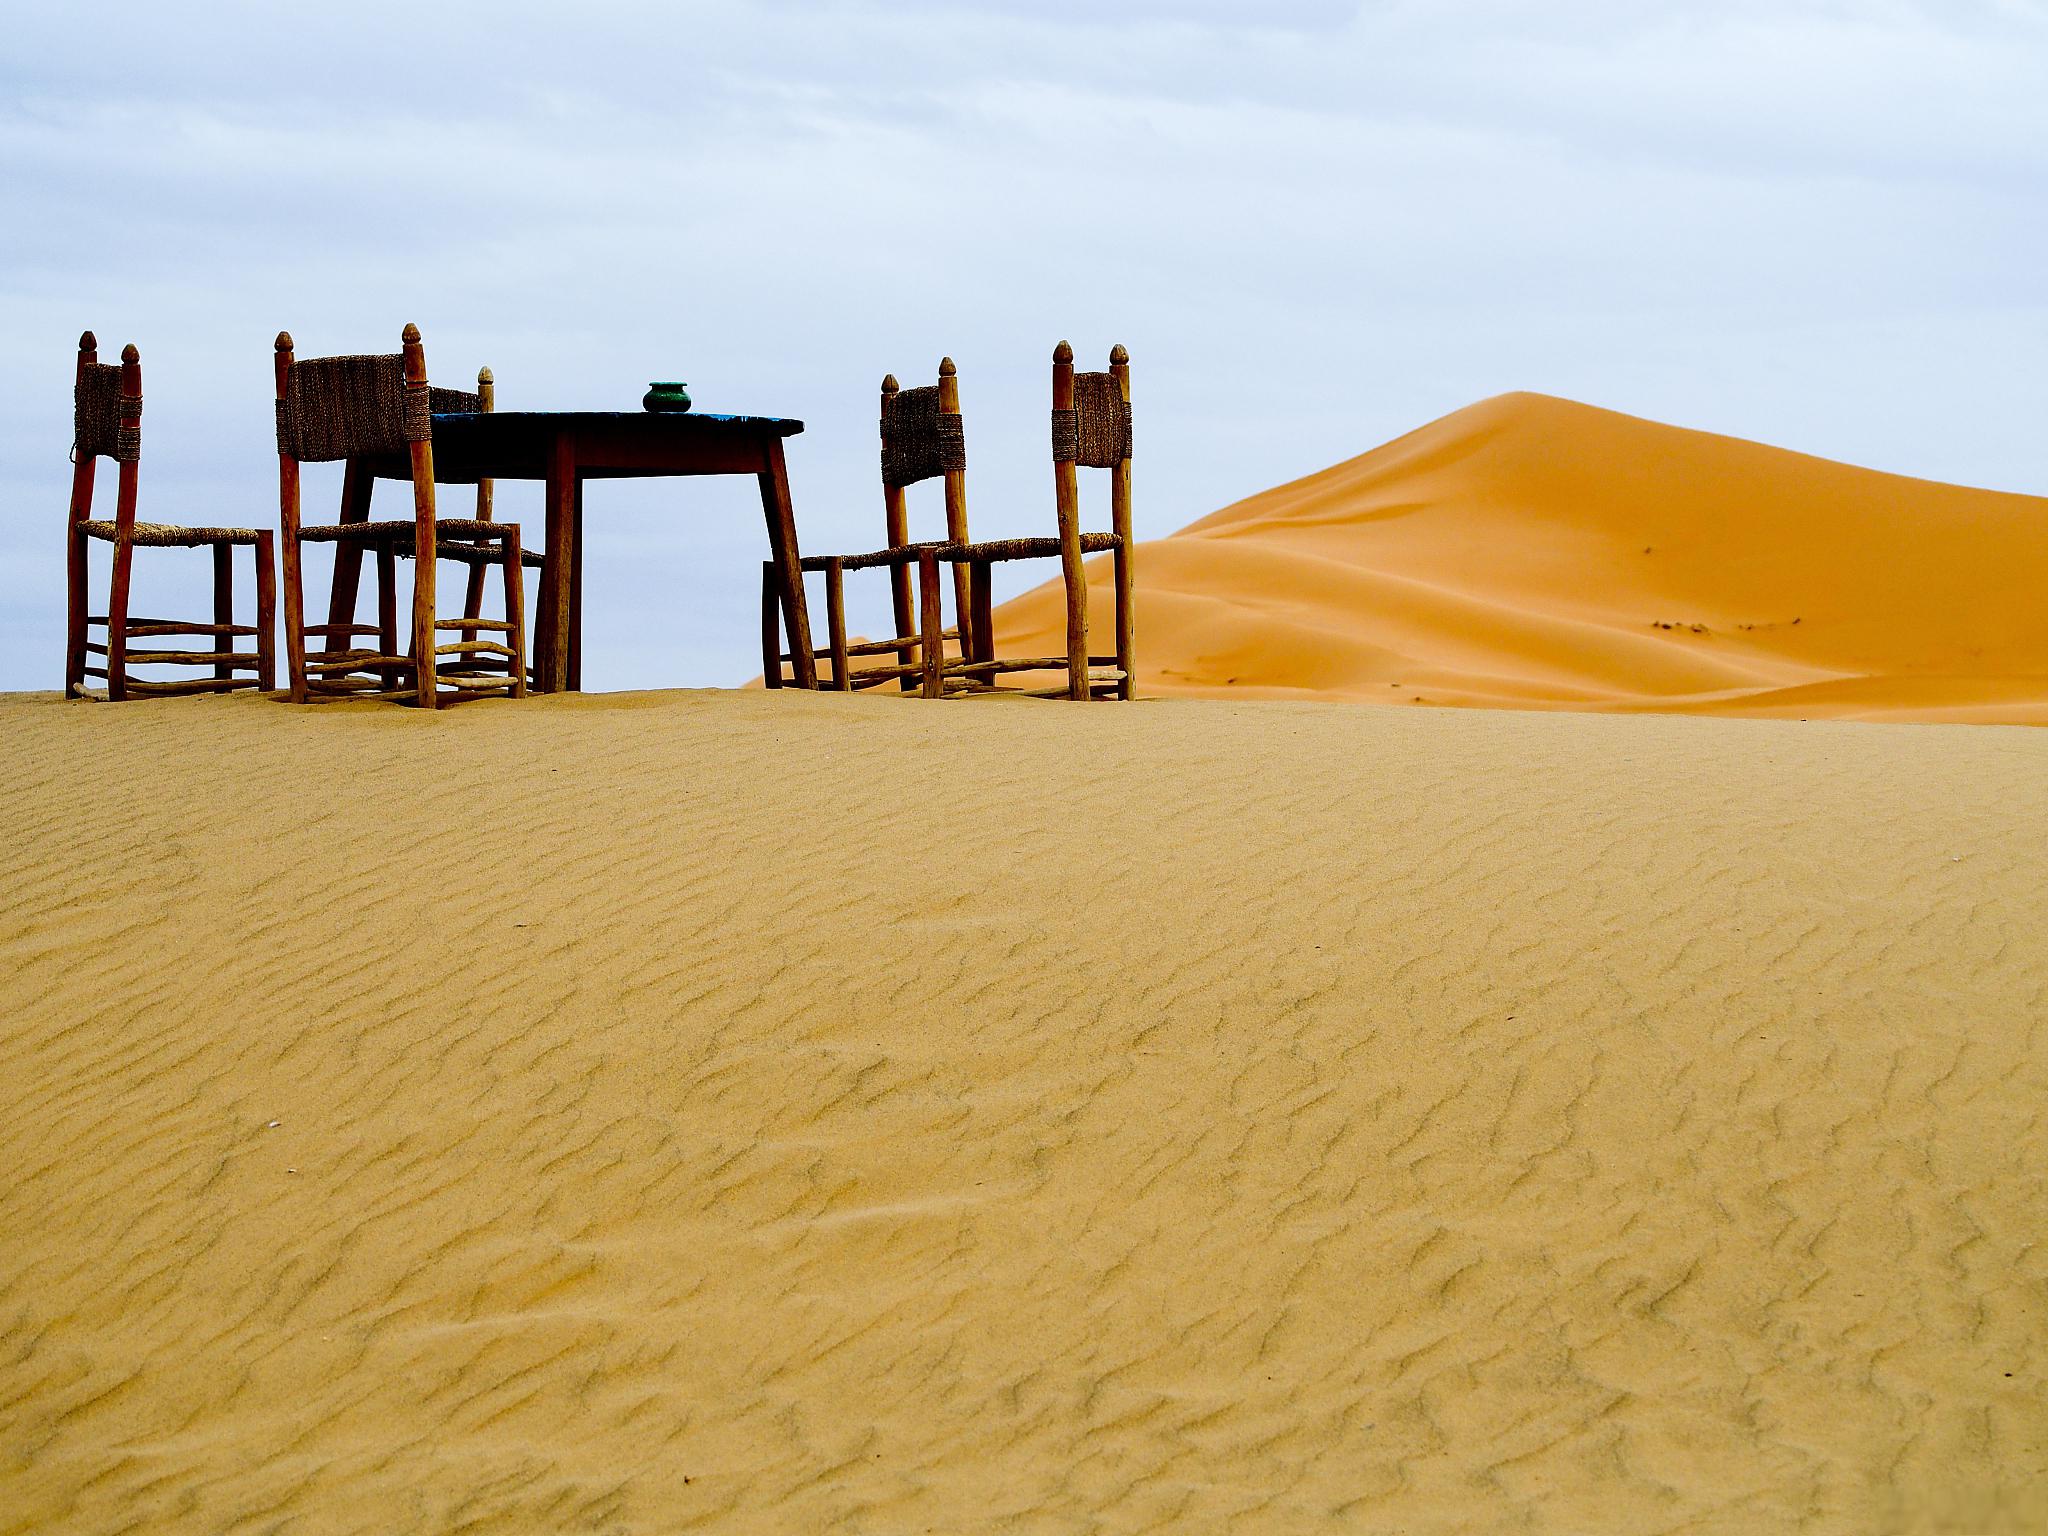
(106, 423)
(107, 404)
(923, 437)
(1091, 428)
(350, 407)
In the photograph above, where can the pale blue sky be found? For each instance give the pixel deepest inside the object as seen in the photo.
(1316, 225)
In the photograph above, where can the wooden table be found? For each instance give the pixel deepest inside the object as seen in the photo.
(566, 448)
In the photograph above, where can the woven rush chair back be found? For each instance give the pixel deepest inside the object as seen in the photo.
(1091, 428)
(1094, 429)
(924, 437)
(922, 433)
(333, 408)
(106, 403)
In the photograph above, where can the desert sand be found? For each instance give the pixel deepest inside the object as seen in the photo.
(1534, 553)
(800, 1113)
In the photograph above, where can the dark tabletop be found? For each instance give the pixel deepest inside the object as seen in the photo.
(517, 445)
(650, 422)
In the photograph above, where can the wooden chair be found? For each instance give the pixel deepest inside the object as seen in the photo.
(922, 439)
(477, 558)
(359, 482)
(1091, 426)
(353, 408)
(107, 416)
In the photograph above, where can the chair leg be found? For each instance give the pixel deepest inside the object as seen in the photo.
(983, 639)
(905, 611)
(771, 627)
(931, 626)
(357, 487)
(473, 598)
(387, 616)
(223, 607)
(74, 614)
(835, 618)
(426, 668)
(266, 614)
(576, 598)
(963, 603)
(1076, 583)
(1126, 624)
(294, 618)
(515, 613)
(117, 620)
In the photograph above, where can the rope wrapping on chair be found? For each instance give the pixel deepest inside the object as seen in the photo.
(920, 441)
(419, 414)
(342, 407)
(128, 436)
(1096, 433)
(103, 422)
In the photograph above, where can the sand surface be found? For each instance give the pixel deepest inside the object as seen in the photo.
(796, 1113)
(1529, 552)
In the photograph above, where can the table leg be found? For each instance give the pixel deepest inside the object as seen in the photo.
(576, 597)
(551, 619)
(775, 505)
(356, 485)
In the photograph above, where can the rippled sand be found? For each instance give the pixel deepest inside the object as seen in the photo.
(809, 1113)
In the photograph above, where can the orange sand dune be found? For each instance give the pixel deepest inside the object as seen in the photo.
(1534, 553)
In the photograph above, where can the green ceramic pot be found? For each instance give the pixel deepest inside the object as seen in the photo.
(667, 397)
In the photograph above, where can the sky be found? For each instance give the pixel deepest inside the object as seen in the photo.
(1315, 225)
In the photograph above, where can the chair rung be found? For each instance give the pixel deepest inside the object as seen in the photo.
(182, 658)
(368, 689)
(475, 679)
(881, 647)
(1017, 664)
(175, 627)
(182, 685)
(331, 630)
(363, 661)
(497, 624)
(464, 647)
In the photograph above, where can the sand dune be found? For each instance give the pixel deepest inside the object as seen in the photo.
(1530, 552)
(802, 1113)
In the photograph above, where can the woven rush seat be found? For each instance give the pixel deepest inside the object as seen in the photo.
(903, 554)
(1027, 549)
(168, 534)
(403, 532)
(480, 554)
